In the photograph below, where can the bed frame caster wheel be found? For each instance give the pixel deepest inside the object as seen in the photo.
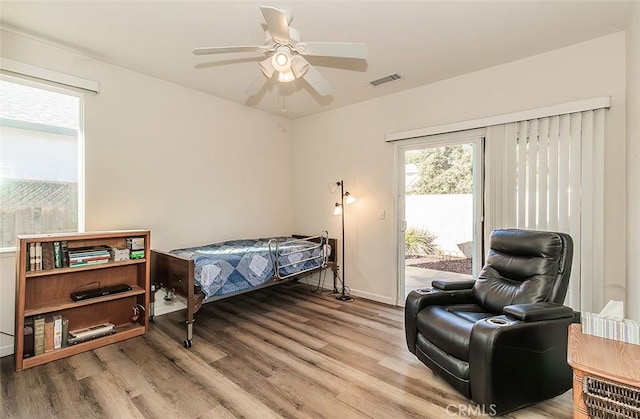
(187, 343)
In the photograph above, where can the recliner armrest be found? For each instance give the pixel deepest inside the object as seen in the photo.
(447, 285)
(538, 311)
(419, 299)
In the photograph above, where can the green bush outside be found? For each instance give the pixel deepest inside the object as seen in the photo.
(419, 242)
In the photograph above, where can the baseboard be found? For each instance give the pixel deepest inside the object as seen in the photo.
(373, 297)
(328, 285)
(314, 279)
(6, 350)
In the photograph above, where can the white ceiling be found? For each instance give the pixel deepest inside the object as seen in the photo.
(424, 41)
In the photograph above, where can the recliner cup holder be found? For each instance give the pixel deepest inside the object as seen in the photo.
(497, 321)
(426, 290)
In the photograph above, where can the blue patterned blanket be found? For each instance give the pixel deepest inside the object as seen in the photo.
(235, 265)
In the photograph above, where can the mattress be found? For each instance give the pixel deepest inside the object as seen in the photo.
(236, 265)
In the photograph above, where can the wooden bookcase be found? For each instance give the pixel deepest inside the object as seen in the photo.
(48, 292)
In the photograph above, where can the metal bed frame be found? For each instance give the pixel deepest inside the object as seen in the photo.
(176, 274)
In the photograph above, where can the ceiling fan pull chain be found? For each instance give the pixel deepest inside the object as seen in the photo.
(281, 103)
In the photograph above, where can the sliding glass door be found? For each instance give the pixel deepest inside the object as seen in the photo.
(440, 211)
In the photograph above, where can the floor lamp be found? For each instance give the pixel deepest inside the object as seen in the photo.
(345, 198)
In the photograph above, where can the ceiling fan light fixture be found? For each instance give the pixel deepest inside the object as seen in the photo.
(267, 68)
(284, 53)
(286, 76)
(281, 60)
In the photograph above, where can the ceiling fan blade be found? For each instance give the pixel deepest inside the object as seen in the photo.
(277, 23)
(319, 83)
(334, 49)
(255, 86)
(225, 50)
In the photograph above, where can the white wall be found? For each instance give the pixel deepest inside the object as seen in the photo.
(190, 167)
(633, 164)
(348, 143)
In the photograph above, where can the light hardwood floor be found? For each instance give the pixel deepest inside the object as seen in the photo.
(281, 352)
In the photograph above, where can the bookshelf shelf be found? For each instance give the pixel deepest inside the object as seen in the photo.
(123, 332)
(46, 294)
(65, 304)
(58, 271)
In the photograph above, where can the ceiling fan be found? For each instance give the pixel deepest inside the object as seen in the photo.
(285, 53)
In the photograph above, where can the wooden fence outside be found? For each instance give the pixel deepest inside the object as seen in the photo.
(35, 207)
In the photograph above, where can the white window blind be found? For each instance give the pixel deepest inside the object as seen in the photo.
(547, 174)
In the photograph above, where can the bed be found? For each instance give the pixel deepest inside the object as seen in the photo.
(221, 270)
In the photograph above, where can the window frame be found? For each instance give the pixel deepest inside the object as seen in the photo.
(69, 91)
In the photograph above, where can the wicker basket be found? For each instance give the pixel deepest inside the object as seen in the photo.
(606, 399)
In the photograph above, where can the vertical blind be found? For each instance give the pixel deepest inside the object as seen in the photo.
(547, 174)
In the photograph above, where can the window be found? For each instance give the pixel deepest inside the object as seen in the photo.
(41, 160)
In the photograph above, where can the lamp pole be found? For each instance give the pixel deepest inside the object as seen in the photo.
(343, 295)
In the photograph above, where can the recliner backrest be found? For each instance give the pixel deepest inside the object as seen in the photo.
(524, 266)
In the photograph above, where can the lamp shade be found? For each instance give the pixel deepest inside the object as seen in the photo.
(337, 210)
(286, 76)
(267, 68)
(281, 60)
(349, 199)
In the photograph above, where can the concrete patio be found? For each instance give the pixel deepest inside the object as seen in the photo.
(416, 277)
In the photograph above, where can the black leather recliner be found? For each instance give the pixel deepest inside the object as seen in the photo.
(500, 340)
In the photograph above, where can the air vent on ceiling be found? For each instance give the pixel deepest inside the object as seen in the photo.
(385, 79)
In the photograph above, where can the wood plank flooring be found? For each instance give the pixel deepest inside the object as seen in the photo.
(282, 352)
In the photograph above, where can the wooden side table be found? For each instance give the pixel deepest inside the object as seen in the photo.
(609, 360)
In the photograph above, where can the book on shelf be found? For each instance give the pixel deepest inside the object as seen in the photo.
(38, 256)
(91, 332)
(48, 334)
(88, 263)
(75, 258)
(65, 331)
(27, 350)
(38, 335)
(64, 246)
(136, 254)
(47, 255)
(32, 256)
(118, 255)
(57, 255)
(89, 251)
(89, 255)
(57, 331)
(135, 243)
